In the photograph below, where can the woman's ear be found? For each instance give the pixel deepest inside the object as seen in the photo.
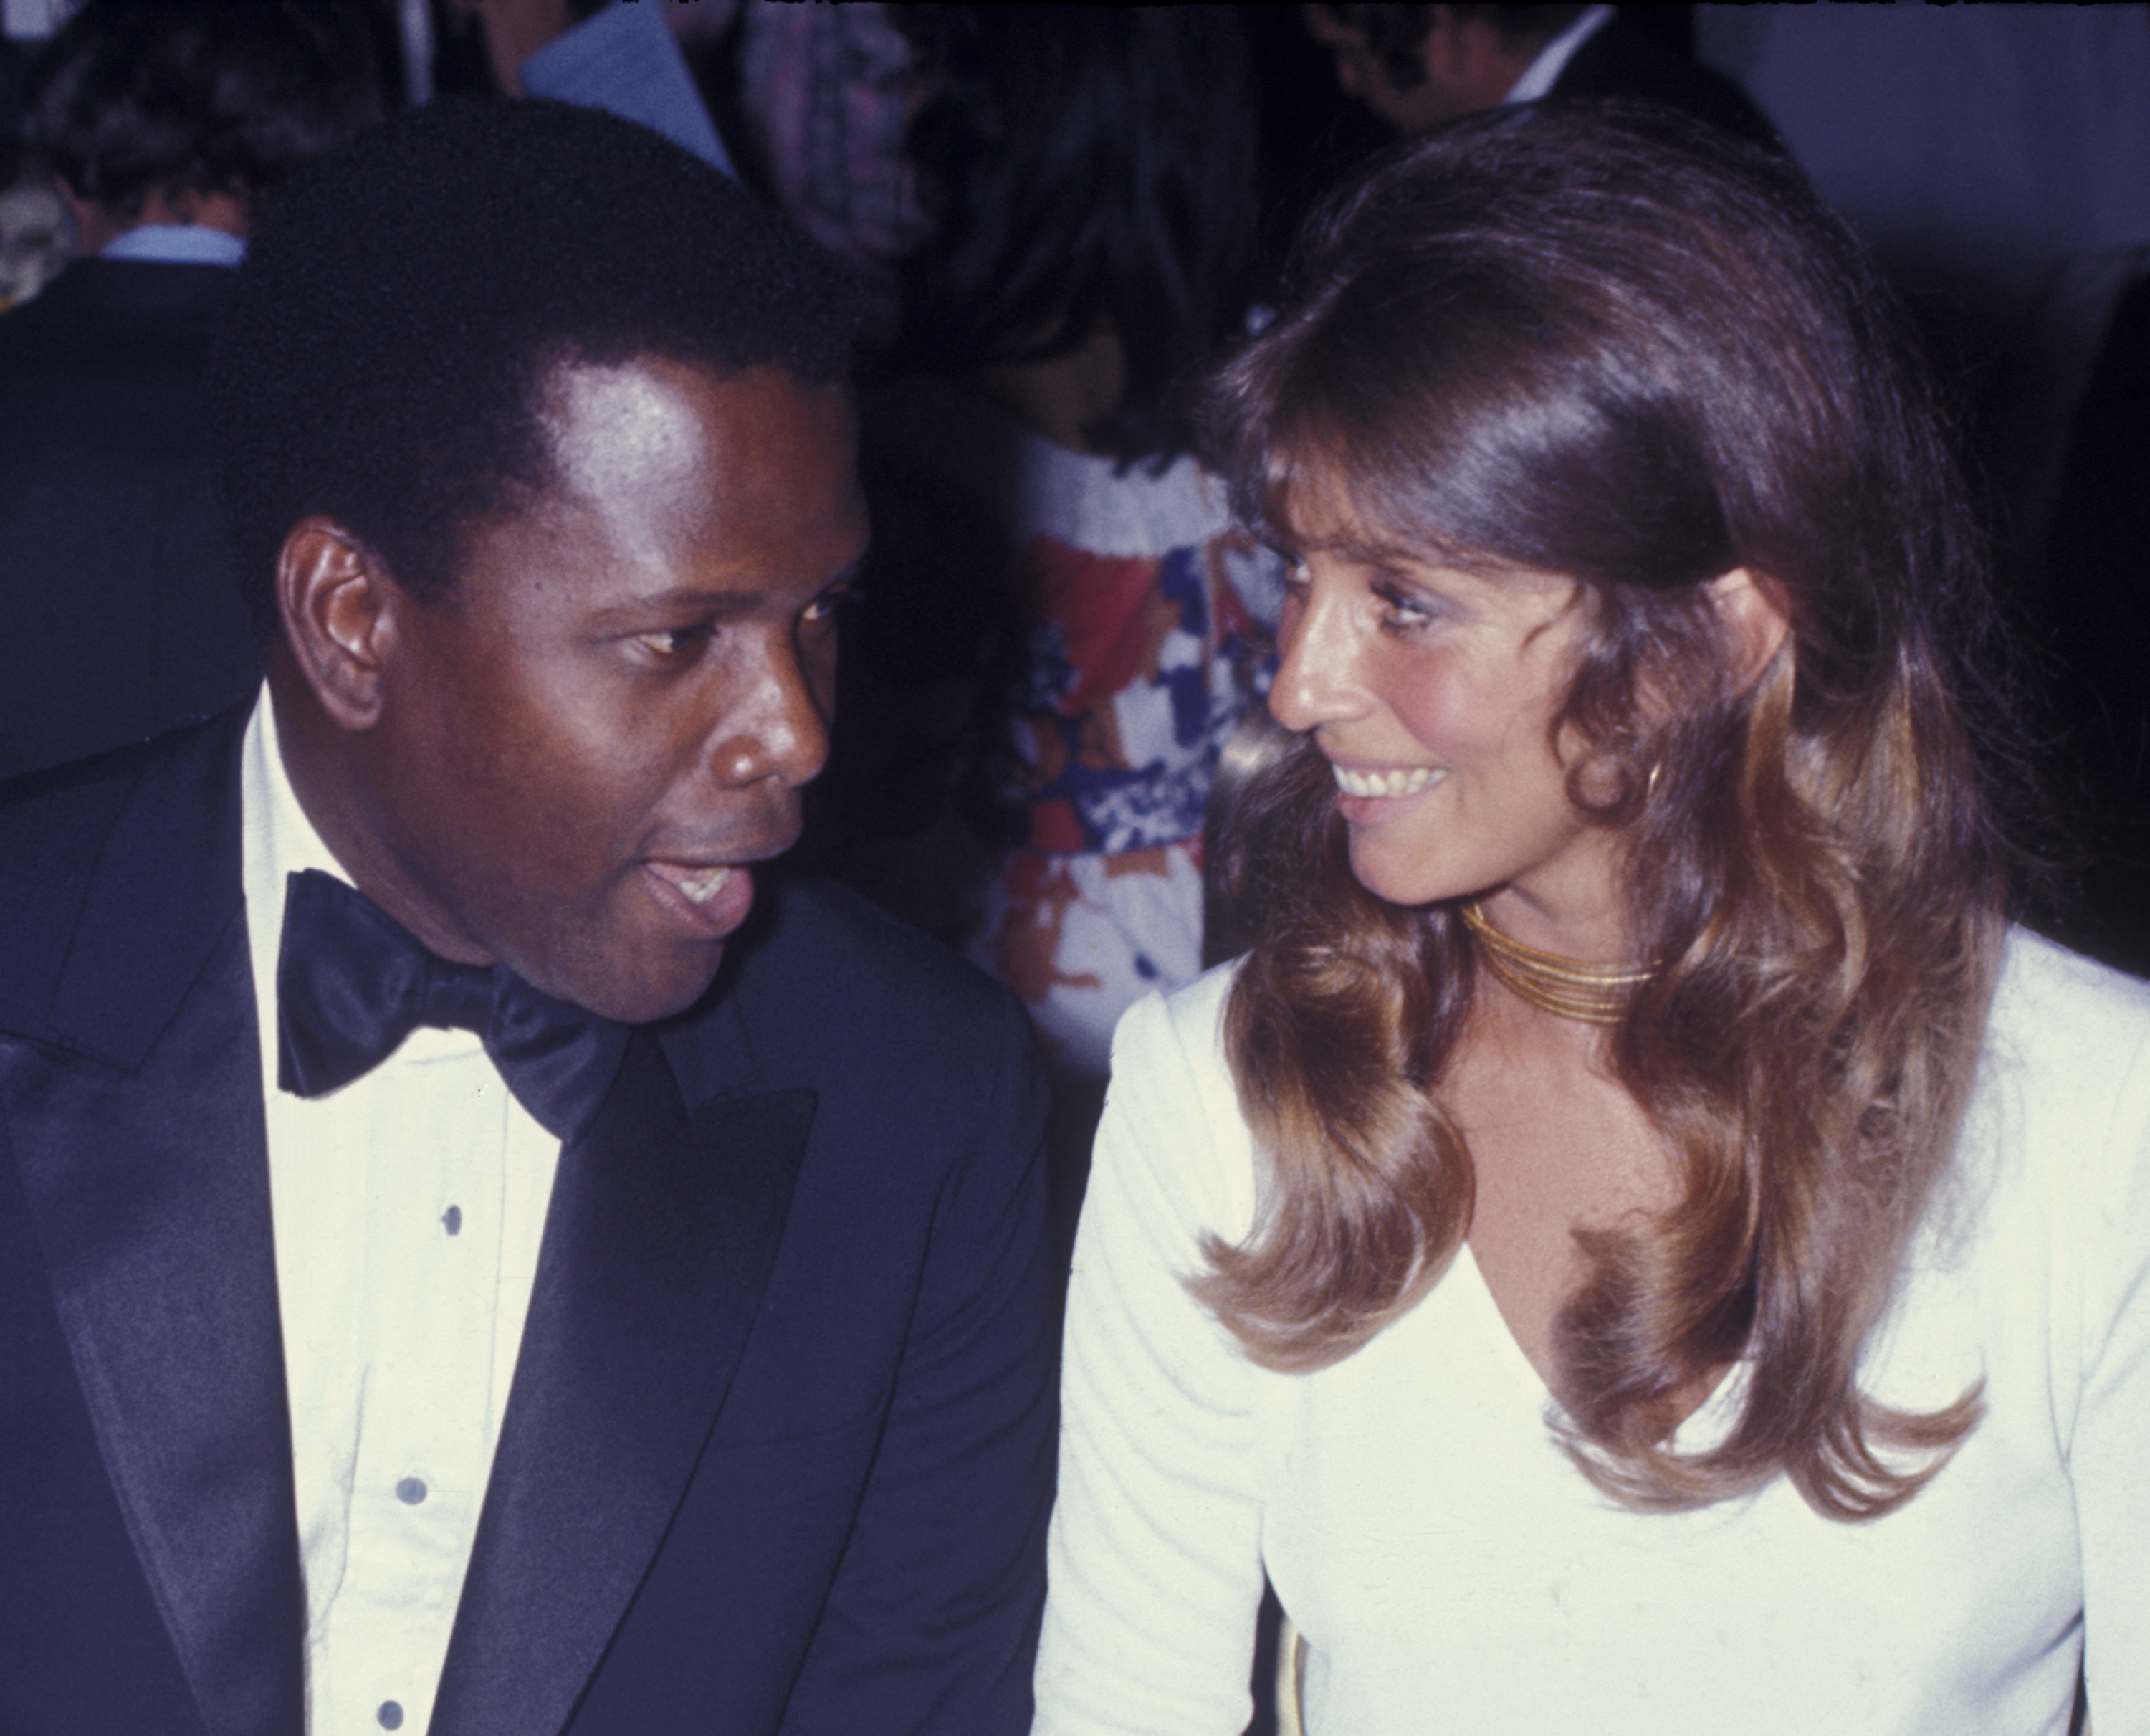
(339, 607)
(1753, 622)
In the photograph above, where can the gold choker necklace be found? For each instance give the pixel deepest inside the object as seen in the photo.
(1565, 988)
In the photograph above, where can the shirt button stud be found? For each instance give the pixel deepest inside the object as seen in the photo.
(453, 1217)
(409, 1492)
(390, 1715)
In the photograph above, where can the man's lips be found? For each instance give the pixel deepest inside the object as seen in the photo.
(710, 898)
(700, 885)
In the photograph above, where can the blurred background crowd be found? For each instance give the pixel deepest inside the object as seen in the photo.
(1071, 212)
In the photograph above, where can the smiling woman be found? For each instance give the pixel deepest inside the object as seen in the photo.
(1613, 1252)
(1433, 693)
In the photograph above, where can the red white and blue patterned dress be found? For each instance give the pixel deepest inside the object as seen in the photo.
(1149, 617)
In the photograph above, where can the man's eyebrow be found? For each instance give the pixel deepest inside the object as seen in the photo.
(681, 599)
(719, 605)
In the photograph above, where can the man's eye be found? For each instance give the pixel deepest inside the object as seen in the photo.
(828, 604)
(673, 644)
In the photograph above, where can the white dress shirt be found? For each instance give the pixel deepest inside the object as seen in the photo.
(408, 1208)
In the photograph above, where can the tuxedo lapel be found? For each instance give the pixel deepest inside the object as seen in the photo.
(138, 1127)
(662, 1233)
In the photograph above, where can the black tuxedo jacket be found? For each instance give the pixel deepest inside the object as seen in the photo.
(778, 1450)
(120, 615)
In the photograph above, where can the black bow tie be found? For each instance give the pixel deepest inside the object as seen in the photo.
(353, 982)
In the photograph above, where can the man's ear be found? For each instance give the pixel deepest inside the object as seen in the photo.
(95, 228)
(1753, 622)
(340, 609)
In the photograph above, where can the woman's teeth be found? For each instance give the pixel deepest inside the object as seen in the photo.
(704, 884)
(1384, 783)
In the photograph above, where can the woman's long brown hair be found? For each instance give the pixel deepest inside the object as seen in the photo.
(1615, 346)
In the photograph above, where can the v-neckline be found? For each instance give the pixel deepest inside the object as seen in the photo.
(1701, 1428)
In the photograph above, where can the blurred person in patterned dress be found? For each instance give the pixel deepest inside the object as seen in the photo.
(1092, 172)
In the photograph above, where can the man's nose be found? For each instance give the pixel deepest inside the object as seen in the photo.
(780, 727)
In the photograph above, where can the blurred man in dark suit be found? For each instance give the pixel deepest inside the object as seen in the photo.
(1419, 66)
(165, 123)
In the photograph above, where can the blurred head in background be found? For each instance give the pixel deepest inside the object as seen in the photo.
(191, 111)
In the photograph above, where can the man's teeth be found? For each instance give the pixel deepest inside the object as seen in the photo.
(705, 883)
(1383, 782)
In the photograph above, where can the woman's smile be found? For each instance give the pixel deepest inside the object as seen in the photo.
(1401, 780)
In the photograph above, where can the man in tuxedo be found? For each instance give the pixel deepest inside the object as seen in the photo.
(478, 1253)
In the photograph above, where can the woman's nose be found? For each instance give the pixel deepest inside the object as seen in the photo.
(1317, 681)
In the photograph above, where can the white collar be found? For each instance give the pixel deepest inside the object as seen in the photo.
(176, 243)
(1553, 58)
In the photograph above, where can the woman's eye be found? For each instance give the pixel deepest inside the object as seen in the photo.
(1404, 612)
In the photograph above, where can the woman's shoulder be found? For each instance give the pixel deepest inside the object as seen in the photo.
(2052, 1226)
(2063, 1017)
(1172, 1109)
(2063, 1104)
(1181, 1032)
